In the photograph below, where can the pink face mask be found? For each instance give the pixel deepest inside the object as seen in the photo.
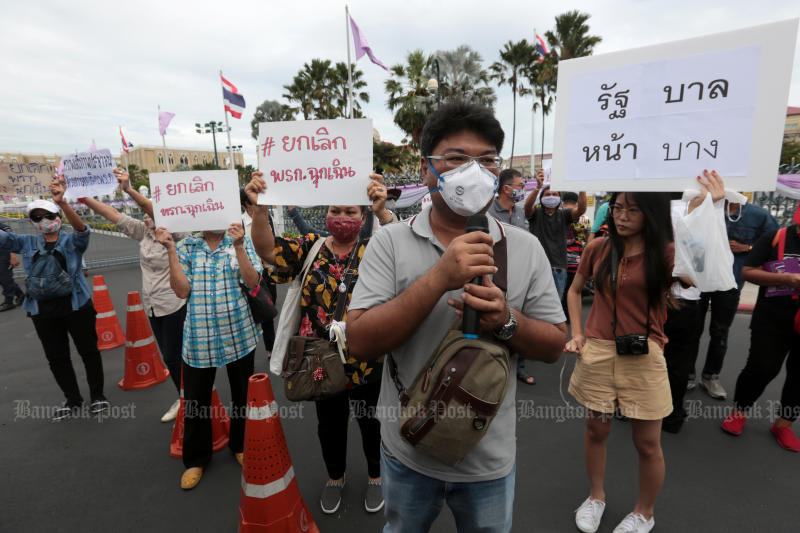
(47, 226)
(343, 229)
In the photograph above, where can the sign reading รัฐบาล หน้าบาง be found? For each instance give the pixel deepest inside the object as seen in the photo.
(315, 162)
(195, 200)
(25, 179)
(651, 119)
(89, 174)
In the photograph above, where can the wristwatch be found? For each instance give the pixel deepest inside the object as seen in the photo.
(508, 330)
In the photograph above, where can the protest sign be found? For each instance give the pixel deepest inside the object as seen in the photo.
(651, 119)
(89, 173)
(315, 161)
(25, 179)
(195, 200)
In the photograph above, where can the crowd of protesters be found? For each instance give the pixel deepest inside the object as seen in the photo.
(636, 353)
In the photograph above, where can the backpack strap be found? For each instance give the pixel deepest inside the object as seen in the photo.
(780, 241)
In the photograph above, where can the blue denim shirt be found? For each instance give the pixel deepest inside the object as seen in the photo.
(70, 245)
(755, 221)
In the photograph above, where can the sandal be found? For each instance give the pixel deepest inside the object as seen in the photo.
(191, 477)
(526, 378)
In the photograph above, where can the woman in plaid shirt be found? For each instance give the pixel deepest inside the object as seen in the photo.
(219, 331)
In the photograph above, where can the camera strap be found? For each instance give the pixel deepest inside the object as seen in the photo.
(614, 270)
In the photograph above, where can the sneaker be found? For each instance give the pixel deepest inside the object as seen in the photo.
(65, 411)
(331, 496)
(635, 523)
(786, 437)
(6, 306)
(589, 514)
(172, 412)
(692, 383)
(711, 384)
(99, 405)
(373, 499)
(734, 424)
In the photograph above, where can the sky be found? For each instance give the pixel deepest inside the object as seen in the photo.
(75, 71)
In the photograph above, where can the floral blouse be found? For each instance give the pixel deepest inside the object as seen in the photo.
(318, 300)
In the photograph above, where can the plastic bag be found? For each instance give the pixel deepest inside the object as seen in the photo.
(702, 251)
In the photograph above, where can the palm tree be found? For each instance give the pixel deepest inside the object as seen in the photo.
(408, 95)
(461, 74)
(340, 90)
(570, 37)
(270, 111)
(312, 89)
(513, 58)
(542, 79)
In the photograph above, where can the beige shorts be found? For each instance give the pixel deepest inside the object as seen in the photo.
(637, 384)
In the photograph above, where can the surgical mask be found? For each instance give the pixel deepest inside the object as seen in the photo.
(551, 202)
(343, 229)
(47, 226)
(467, 189)
(517, 195)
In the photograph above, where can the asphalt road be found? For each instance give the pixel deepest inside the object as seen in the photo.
(115, 474)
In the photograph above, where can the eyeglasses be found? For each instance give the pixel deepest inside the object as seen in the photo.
(48, 216)
(455, 159)
(618, 211)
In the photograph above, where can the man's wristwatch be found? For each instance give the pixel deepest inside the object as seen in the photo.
(508, 330)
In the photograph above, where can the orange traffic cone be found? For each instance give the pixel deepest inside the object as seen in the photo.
(220, 426)
(109, 332)
(270, 499)
(143, 366)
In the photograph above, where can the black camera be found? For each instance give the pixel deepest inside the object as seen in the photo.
(632, 344)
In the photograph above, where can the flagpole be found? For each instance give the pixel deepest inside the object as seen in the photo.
(227, 127)
(164, 143)
(533, 122)
(349, 66)
(124, 153)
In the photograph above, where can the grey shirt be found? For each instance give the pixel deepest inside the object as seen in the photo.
(515, 217)
(395, 258)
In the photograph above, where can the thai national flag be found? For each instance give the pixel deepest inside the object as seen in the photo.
(541, 47)
(234, 102)
(125, 144)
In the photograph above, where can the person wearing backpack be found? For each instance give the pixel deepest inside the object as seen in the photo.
(414, 282)
(12, 294)
(58, 299)
(774, 335)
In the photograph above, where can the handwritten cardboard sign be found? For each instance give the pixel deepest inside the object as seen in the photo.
(651, 119)
(25, 179)
(315, 161)
(195, 200)
(89, 173)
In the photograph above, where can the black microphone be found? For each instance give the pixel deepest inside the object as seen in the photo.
(477, 222)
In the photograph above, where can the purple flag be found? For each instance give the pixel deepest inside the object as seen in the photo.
(362, 46)
(164, 118)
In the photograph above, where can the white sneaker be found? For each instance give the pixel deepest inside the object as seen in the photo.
(635, 523)
(589, 514)
(172, 412)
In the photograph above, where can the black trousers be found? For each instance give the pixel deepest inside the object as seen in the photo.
(770, 343)
(10, 288)
(53, 333)
(168, 331)
(724, 305)
(197, 387)
(682, 332)
(333, 415)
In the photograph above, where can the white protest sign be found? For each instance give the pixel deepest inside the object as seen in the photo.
(89, 173)
(651, 119)
(318, 162)
(195, 200)
(547, 168)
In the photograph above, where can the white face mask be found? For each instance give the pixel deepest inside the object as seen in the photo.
(551, 201)
(47, 226)
(467, 189)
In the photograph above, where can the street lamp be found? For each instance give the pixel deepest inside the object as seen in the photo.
(436, 84)
(213, 128)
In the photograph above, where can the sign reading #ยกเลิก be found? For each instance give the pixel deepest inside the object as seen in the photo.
(195, 200)
(315, 162)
